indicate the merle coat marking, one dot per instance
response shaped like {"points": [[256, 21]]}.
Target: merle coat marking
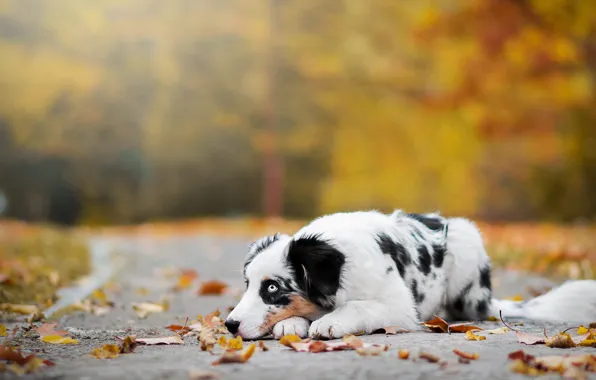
{"points": [[350, 272]]}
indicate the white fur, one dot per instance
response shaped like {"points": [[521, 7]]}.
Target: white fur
{"points": [[372, 297]]}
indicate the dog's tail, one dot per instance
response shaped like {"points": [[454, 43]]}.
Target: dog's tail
{"points": [[573, 301]]}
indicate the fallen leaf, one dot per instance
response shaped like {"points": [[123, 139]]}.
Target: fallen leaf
{"points": [[517, 297], [236, 356], [403, 354], [523, 337], [429, 357], [568, 366], [212, 288], [492, 318], [9, 354], [462, 328], [48, 329], [262, 346], [57, 339], [317, 346], [194, 374], [143, 309], [178, 329], [174, 339], [21, 364], [471, 336], [497, 331], [128, 344], [107, 351], [287, 340], [589, 341], [465, 355], [207, 339], [2, 330], [185, 279], [581, 330], [560, 340], [19, 309], [390, 330], [364, 349], [234, 344], [437, 324]]}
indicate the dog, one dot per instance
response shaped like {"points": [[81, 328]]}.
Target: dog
{"points": [[357, 272]]}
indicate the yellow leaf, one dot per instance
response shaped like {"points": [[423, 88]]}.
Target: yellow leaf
{"points": [[581, 330], [471, 336], [57, 339], [287, 340], [19, 309], [516, 297], [107, 351], [2, 330]]}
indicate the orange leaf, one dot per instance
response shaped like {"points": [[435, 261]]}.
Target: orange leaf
{"points": [[48, 329], [465, 355], [212, 288], [235, 356], [437, 324]]}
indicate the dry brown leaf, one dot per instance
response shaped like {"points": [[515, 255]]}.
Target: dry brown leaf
{"points": [[560, 340], [465, 355], [364, 349], [568, 366], [128, 344], [236, 356], [167, 340], [391, 330], [212, 288], [437, 324], [48, 329], [462, 328], [403, 354], [22, 364], [207, 339], [178, 329], [316, 346], [471, 336], [529, 339], [262, 346], [287, 340], [107, 351], [429, 357]]}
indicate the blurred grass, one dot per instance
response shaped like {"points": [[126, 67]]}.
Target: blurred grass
{"points": [[35, 261]]}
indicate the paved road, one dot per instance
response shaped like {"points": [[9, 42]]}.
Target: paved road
{"points": [[218, 258]]}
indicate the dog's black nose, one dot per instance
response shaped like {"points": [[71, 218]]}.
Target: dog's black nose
{"points": [[232, 325]]}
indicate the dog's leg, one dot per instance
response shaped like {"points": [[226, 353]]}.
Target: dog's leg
{"points": [[293, 325], [364, 316]]}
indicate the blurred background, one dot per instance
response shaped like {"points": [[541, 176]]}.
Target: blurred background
{"points": [[127, 111]]}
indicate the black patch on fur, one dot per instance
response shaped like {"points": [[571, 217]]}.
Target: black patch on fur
{"points": [[396, 251], [438, 255], [389, 270], [278, 298], [431, 222], [259, 246], [317, 267], [458, 304], [485, 277], [482, 308], [418, 297], [424, 260]]}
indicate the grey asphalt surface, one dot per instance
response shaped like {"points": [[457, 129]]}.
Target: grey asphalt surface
{"points": [[221, 259]]}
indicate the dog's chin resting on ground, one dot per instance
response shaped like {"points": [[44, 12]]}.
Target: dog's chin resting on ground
{"points": [[358, 272]]}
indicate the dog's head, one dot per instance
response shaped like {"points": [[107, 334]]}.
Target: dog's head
{"points": [[284, 278]]}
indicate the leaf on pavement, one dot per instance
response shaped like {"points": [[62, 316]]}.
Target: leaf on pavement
{"points": [[471, 336], [462, 328], [236, 356], [497, 331], [560, 340], [128, 344], [429, 357], [19, 309], [143, 309], [316, 346], [465, 355], [390, 330], [581, 330], [48, 329], [262, 346], [233, 344], [212, 288], [57, 339], [528, 339], [570, 367], [437, 324], [362, 348], [107, 351], [207, 339], [287, 340], [178, 329], [2, 330], [403, 354]]}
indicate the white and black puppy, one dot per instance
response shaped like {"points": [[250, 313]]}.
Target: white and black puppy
{"points": [[357, 272]]}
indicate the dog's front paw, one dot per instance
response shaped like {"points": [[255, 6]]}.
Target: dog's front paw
{"points": [[293, 325], [329, 327]]}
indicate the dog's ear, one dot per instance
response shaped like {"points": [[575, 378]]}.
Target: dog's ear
{"points": [[260, 245], [317, 266]]}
